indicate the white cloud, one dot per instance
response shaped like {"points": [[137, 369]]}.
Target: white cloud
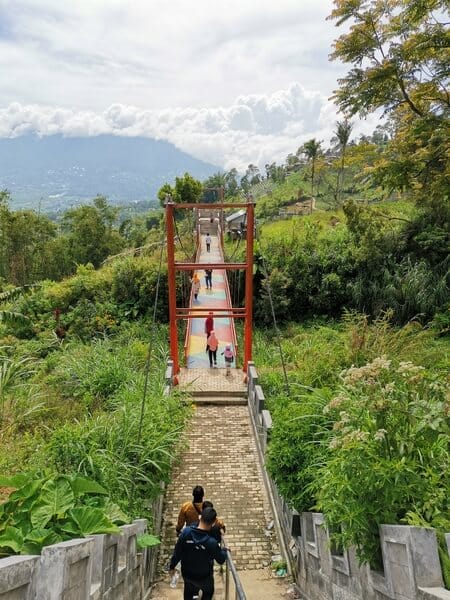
{"points": [[214, 78], [254, 128], [92, 53]]}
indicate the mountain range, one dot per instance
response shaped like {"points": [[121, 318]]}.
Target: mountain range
{"points": [[56, 172]]}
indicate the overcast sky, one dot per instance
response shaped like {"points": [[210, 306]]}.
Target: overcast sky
{"points": [[230, 82]]}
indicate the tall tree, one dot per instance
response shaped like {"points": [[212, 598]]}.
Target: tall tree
{"points": [[253, 175], [311, 149], [342, 133], [231, 183], [90, 234], [188, 189], [399, 52]]}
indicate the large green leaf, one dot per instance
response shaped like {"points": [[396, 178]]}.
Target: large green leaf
{"points": [[83, 485], [31, 548], [14, 481], [40, 515], [37, 539], [92, 520], [146, 540], [12, 538], [115, 513], [57, 494], [26, 491], [55, 499]]}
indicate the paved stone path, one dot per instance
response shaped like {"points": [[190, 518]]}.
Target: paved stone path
{"points": [[213, 382], [221, 456]]}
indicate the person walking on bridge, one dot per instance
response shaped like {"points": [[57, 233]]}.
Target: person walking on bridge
{"points": [[218, 527], [208, 279], [208, 242], [196, 285], [209, 324], [197, 551], [212, 343]]}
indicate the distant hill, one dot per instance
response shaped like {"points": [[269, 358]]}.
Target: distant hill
{"points": [[58, 172]]}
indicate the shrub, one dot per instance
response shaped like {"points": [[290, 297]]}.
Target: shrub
{"points": [[108, 448], [298, 444], [134, 287], [389, 453]]}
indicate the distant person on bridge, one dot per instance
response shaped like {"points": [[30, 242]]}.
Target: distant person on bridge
{"points": [[209, 324], [208, 279], [197, 550], [229, 357], [196, 285], [212, 343], [190, 511], [208, 242]]}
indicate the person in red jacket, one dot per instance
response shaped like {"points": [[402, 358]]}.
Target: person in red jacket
{"points": [[209, 324]]}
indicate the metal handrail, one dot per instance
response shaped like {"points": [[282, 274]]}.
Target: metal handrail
{"points": [[228, 296], [239, 590], [191, 294]]}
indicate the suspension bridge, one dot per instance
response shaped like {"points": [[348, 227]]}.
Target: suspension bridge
{"points": [[221, 453]]}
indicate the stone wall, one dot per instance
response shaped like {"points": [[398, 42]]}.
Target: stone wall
{"points": [[100, 567], [410, 556]]}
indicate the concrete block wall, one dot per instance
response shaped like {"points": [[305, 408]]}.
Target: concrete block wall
{"points": [[100, 567], [411, 571]]}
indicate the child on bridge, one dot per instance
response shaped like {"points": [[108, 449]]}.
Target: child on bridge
{"points": [[229, 357]]}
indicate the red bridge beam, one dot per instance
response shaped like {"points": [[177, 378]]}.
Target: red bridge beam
{"points": [[211, 206], [212, 309], [184, 266], [204, 315]]}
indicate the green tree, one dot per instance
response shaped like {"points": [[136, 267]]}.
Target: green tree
{"points": [[231, 183], [401, 60], [311, 149], [342, 133], [91, 236], [253, 175], [164, 191], [188, 189], [24, 243]]}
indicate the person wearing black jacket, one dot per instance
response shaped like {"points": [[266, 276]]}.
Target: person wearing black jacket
{"points": [[197, 551]]}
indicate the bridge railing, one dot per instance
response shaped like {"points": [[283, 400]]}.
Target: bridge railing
{"points": [[410, 555], [198, 248], [228, 296], [232, 583]]}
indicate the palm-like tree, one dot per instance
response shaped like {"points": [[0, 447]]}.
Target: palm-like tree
{"points": [[11, 317], [342, 133], [311, 149]]}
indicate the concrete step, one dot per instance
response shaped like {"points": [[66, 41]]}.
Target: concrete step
{"points": [[223, 400]]}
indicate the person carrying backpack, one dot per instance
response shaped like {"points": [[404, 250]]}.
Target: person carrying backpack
{"points": [[197, 551]]}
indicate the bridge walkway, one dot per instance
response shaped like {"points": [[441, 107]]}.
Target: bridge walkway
{"points": [[221, 455]]}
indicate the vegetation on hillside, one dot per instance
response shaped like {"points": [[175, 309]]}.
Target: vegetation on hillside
{"points": [[360, 291]]}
